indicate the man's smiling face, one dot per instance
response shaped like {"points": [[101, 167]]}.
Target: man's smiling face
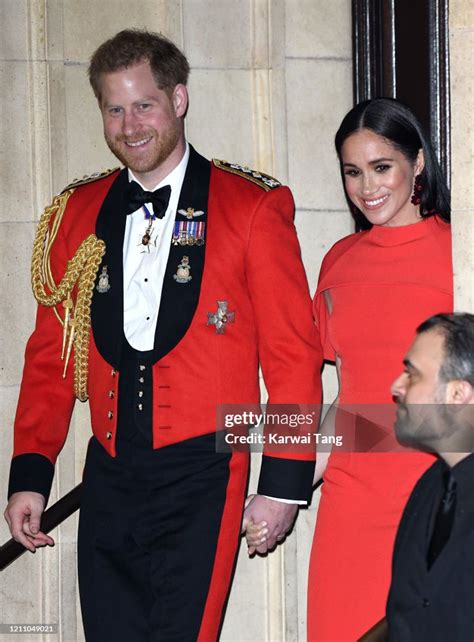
{"points": [[143, 125]]}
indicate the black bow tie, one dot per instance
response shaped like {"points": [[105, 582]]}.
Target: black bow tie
{"points": [[136, 197]]}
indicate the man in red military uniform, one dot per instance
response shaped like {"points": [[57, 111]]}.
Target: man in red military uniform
{"points": [[169, 282]]}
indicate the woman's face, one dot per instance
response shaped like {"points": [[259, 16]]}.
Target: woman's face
{"points": [[379, 179]]}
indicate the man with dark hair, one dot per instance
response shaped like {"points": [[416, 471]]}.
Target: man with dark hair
{"points": [[188, 273], [430, 597]]}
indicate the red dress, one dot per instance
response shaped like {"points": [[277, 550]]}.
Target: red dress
{"points": [[383, 283]]}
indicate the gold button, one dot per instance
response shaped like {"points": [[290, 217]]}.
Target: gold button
{"points": [[108, 436], [111, 394], [113, 372], [110, 414]]}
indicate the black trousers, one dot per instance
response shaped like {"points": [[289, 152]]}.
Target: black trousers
{"points": [[158, 539]]}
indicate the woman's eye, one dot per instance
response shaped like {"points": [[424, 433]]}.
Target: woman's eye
{"points": [[351, 172], [382, 168]]}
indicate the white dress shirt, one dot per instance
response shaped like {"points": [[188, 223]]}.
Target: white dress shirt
{"points": [[144, 266]]}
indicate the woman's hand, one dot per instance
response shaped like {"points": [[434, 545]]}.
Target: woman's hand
{"points": [[255, 535]]}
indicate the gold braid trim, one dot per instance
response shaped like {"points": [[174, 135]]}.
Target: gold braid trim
{"points": [[81, 270]]}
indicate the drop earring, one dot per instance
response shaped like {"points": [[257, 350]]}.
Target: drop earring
{"points": [[417, 190]]}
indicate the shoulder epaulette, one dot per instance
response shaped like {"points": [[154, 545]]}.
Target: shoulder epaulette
{"points": [[90, 178], [259, 178]]}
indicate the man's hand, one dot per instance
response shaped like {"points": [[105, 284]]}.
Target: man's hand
{"points": [[278, 518], [23, 515]]}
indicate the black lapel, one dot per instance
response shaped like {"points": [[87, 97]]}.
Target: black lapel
{"points": [[107, 306], [179, 300]]}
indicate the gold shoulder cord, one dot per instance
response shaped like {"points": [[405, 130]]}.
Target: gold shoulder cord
{"points": [[81, 271]]}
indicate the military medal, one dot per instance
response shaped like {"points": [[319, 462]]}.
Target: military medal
{"points": [[183, 273], [175, 237], [221, 317], [146, 238], [178, 233], [191, 233], [103, 284], [183, 235], [188, 233], [200, 233]]}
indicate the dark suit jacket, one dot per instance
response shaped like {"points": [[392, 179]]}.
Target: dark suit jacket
{"points": [[435, 605]]}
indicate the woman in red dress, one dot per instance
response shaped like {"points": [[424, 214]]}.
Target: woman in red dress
{"points": [[375, 287]]}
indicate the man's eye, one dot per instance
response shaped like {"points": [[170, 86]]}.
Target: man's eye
{"points": [[115, 110], [144, 106]]}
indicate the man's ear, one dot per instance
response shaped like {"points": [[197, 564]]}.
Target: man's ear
{"points": [[180, 100], [459, 391]]}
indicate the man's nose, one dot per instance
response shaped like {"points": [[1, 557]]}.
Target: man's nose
{"points": [[398, 387], [130, 122]]}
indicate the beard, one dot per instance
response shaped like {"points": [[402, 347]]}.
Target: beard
{"points": [[406, 426], [157, 151], [422, 426]]}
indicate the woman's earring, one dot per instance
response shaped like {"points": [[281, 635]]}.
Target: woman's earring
{"points": [[417, 190]]}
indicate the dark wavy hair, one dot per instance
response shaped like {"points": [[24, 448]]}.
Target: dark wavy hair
{"points": [[133, 46], [395, 122], [458, 332]]}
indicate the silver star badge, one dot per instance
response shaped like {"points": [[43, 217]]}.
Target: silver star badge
{"points": [[221, 317]]}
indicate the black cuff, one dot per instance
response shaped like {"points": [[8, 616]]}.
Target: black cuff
{"points": [[31, 472], [286, 478]]}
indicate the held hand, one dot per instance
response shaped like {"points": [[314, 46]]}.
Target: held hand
{"points": [[23, 515], [278, 517], [255, 535]]}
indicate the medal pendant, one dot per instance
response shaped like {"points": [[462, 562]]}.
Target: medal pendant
{"points": [[221, 317], [183, 273], [146, 238], [103, 284], [200, 233]]}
